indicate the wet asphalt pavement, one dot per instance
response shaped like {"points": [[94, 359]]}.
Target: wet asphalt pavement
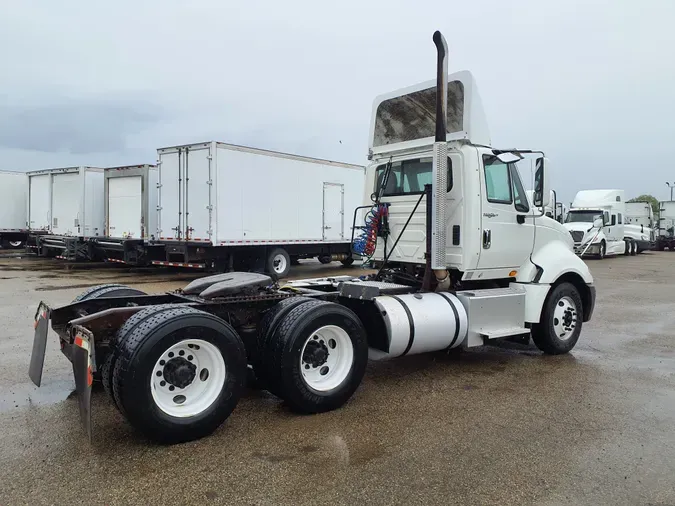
{"points": [[492, 425]]}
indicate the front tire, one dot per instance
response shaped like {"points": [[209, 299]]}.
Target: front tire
{"points": [[603, 250], [318, 354], [633, 249], [560, 325], [179, 374]]}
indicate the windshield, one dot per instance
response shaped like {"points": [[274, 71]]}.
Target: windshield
{"points": [[582, 216]]}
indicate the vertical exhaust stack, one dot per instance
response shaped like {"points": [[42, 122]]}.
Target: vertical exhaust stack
{"points": [[440, 167]]}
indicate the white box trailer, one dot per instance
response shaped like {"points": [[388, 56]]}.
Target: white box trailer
{"points": [[221, 204], [130, 195], [66, 210], [13, 192]]}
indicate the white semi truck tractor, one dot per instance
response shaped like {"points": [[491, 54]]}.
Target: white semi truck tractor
{"points": [[462, 258]]}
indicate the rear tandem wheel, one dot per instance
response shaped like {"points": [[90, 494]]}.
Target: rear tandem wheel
{"points": [[178, 372]]}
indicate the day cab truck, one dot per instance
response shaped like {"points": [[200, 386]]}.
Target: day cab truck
{"points": [[596, 222], [463, 261]]}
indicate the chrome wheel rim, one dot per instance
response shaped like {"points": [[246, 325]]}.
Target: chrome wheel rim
{"points": [[565, 318]]}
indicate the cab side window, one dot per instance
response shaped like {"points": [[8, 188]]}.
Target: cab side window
{"points": [[620, 222], [613, 219], [497, 180]]}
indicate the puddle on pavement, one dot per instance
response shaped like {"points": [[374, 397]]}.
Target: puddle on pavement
{"points": [[26, 394]]}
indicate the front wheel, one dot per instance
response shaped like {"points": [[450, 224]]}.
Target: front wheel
{"points": [[633, 249], [603, 250], [560, 326]]}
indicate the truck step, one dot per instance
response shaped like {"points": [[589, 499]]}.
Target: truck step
{"points": [[494, 313], [507, 332]]}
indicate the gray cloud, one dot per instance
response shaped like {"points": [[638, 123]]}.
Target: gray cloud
{"points": [[76, 125], [587, 81]]}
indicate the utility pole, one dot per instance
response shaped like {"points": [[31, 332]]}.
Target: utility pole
{"points": [[671, 186]]}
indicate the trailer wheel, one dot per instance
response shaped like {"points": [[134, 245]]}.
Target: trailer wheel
{"points": [[320, 354], [279, 262], [266, 330], [12, 244], [179, 373], [348, 261], [560, 325], [109, 290]]}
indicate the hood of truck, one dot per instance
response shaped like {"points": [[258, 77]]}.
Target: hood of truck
{"points": [[578, 225], [582, 232], [405, 119]]}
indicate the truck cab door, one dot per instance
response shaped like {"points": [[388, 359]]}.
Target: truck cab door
{"points": [[507, 225]]}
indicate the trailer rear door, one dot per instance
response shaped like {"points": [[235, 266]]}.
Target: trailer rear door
{"points": [[39, 199], [66, 200], [169, 193], [125, 201], [197, 190]]}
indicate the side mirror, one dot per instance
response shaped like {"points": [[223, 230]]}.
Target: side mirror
{"points": [[598, 223], [542, 183]]}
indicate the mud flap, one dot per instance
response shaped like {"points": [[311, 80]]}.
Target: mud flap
{"points": [[37, 357], [83, 369]]}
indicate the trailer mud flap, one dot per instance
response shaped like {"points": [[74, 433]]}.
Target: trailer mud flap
{"points": [[37, 357], [83, 369]]}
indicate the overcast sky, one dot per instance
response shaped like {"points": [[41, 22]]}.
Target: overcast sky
{"points": [[592, 83]]}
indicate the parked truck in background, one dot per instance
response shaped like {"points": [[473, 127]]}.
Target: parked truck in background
{"points": [[130, 196], [66, 211], [640, 224], [13, 220], [665, 234], [225, 207], [464, 261], [596, 223]]}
